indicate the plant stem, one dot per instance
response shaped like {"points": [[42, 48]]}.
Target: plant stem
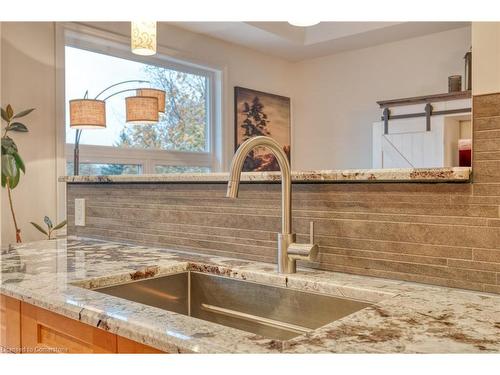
{"points": [[18, 231], [6, 129]]}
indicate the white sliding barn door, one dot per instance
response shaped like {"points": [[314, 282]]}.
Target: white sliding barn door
{"points": [[409, 145]]}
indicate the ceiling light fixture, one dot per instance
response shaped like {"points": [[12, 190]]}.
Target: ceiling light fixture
{"points": [[303, 23], [143, 38]]}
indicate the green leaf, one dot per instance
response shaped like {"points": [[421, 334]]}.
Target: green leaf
{"points": [[24, 113], [60, 225], [39, 228], [9, 166], [14, 181], [19, 162], [10, 111], [47, 221], [4, 115], [17, 127]]}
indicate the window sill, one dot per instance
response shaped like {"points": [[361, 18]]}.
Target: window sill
{"points": [[455, 174]]}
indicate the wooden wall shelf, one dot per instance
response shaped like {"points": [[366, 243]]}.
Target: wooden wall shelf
{"points": [[425, 99]]}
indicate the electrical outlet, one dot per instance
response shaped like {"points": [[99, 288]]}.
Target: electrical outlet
{"points": [[80, 212]]}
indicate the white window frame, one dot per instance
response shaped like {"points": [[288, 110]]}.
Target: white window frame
{"points": [[113, 45]]}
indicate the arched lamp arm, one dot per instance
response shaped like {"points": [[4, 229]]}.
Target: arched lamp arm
{"points": [[119, 92], [119, 83]]}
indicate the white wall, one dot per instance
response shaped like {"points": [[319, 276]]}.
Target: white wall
{"points": [[486, 57], [335, 96], [28, 80]]}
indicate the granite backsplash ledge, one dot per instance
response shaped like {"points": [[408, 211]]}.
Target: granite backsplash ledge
{"points": [[438, 233], [455, 174]]}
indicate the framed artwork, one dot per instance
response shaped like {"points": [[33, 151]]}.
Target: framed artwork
{"points": [[260, 113]]}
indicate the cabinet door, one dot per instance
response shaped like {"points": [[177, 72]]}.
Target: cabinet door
{"points": [[10, 324], [127, 346], [47, 332]]}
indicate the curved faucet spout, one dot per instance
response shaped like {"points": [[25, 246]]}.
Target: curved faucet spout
{"points": [[286, 178], [288, 250]]}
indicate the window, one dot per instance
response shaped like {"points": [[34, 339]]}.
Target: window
{"points": [[182, 140], [92, 169], [180, 169]]}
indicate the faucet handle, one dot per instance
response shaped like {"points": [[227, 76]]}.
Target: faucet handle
{"points": [[304, 251]]}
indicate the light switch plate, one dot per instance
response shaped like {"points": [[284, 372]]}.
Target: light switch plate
{"points": [[80, 212]]}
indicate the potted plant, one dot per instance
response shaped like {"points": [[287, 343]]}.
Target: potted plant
{"points": [[12, 163]]}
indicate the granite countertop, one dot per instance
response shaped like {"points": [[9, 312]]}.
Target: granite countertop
{"points": [[455, 174], [404, 318]]}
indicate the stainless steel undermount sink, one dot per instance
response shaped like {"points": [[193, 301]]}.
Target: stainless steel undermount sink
{"points": [[270, 311]]}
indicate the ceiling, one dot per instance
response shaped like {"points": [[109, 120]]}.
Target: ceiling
{"points": [[299, 43]]}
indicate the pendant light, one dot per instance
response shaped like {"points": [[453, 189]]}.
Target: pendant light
{"points": [[143, 38]]}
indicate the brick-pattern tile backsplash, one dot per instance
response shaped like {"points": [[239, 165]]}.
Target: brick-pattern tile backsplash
{"points": [[444, 233]]}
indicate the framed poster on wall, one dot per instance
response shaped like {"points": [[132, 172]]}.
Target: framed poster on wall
{"points": [[260, 113]]}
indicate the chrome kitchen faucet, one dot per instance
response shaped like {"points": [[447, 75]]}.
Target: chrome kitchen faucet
{"points": [[288, 250]]}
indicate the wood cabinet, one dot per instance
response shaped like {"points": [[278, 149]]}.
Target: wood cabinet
{"points": [[10, 324], [127, 346], [46, 332], [37, 330]]}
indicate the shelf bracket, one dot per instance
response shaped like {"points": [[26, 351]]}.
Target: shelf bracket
{"points": [[428, 114], [386, 115]]}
